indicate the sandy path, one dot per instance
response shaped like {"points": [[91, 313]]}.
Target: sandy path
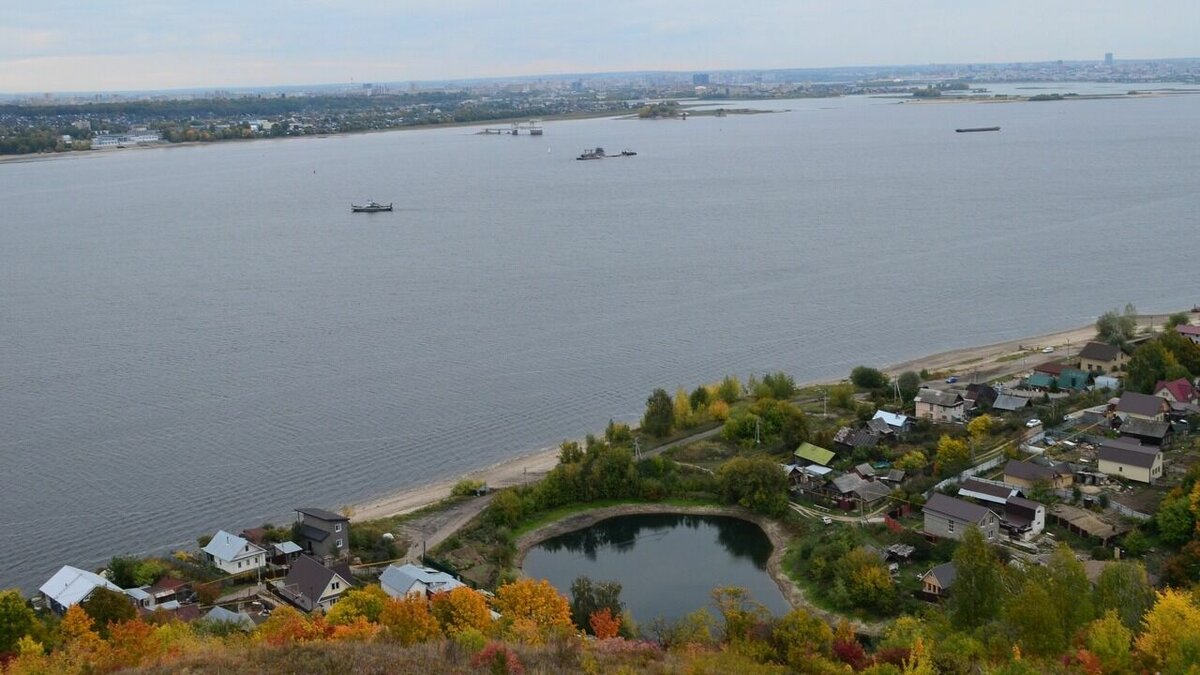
{"points": [[982, 360]]}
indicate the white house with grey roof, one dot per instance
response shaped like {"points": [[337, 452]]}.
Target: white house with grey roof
{"points": [[1131, 461], [233, 554], [939, 406], [948, 517], [399, 581], [70, 586]]}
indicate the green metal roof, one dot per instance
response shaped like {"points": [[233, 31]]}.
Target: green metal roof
{"points": [[814, 454]]}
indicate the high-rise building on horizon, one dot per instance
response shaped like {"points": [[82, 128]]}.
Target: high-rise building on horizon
{"points": [[699, 79], [1108, 60]]}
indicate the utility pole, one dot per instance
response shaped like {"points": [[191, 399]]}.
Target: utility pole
{"points": [[637, 449], [825, 402], [757, 429]]}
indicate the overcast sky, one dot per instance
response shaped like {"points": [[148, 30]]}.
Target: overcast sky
{"points": [[104, 45]]}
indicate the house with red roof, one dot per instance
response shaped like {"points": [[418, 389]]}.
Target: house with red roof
{"points": [[1190, 332], [1176, 391]]}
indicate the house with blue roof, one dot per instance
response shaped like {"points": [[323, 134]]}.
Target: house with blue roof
{"points": [[400, 581]]}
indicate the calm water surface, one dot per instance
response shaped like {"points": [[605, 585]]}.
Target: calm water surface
{"points": [[204, 337], [667, 565]]}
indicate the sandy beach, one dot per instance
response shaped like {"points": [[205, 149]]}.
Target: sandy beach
{"points": [[985, 362]]}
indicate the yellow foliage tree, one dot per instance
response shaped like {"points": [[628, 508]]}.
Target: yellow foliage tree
{"points": [[365, 603], [683, 409], [534, 608], [1169, 639], [408, 621], [81, 644], [1109, 640], [460, 609], [979, 428], [951, 452], [287, 625], [359, 630], [718, 410], [30, 660]]}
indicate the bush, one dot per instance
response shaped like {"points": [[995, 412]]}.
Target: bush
{"points": [[467, 487], [868, 378]]}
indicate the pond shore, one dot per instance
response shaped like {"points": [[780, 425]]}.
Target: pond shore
{"points": [[774, 530]]}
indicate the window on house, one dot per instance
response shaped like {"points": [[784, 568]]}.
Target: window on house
{"points": [[337, 527], [336, 585], [338, 543], [239, 566], [951, 526]]}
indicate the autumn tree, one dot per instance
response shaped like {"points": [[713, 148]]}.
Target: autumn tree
{"points": [[913, 460], [107, 607], [287, 626], [660, 414], [952, 454], [841, 396], [82, 646], [979, 428], [408, 620], [730, 390], [460, 609], [682, 411], [799, 637], [16, 620], [133, 643], [533, 608], [604, 625], [366, 603], [718, 410], [1109, 640], [1169, 639], [977, 588]]}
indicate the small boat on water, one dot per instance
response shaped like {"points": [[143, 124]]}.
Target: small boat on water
{"points": [[969, 130], [370, 207], [598, 153], [628, 153]]}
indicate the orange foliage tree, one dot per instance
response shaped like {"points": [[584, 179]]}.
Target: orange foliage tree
{"points": [[460, 609], [133, 643], [604, 624], [287, 625], [359, 630], [408, 620], [533, 608]]}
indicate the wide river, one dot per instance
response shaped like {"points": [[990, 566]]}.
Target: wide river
{"points": [[205, 337]]}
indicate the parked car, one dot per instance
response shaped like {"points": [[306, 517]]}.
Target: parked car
{"points": [[1035, 422], [952, 379], [827, 520], [1048, 350]]}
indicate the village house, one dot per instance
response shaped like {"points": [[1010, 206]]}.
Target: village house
{"points": [[948, 517], [1011, 403], [852, 490], [936, 583], [1100, 358], [70, 586], [979, 396], [1023, 518], [898, 423], [849, 438], [1025, 474], [233, 554], [1131, 461], [323, 533], [987, 491], [1190, 332], [399, 581], [1142, 406], [240, 620], [939, 406], [1145, 432], [1176, 391], [311, 586], [808, 453]]}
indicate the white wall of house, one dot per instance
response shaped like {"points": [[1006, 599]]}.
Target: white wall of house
{"points": [[240, 565], [1130, 472]]}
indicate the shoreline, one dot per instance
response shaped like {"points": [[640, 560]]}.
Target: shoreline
{"points": [[50, 156], [987, 361]]}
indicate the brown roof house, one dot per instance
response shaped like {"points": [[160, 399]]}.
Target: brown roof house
{"points": [[1190, 332], [311, 586], [1025, 474], [1101, 358], [1023, 518], [1130, 461], [949, 517], [323, 533], [1142, 406], [939, 406]]}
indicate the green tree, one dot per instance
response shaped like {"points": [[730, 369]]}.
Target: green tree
{"points": [[1175, 520], [1117, 328], [107, 607], [16, 620], [780, 385], [122, 569], [1070, 590], [730, 390], [506, 508], [1109, 640], [589, 597], [699, 398], [1125, 588], [660, 414], [909, 383], [756, 484], [1030, 615], [977, 588], [1177, 319], [865, 377], [1150, 363], [842, 396]]}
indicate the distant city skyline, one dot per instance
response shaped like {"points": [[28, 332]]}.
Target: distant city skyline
{"points": [[57, 45]]}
